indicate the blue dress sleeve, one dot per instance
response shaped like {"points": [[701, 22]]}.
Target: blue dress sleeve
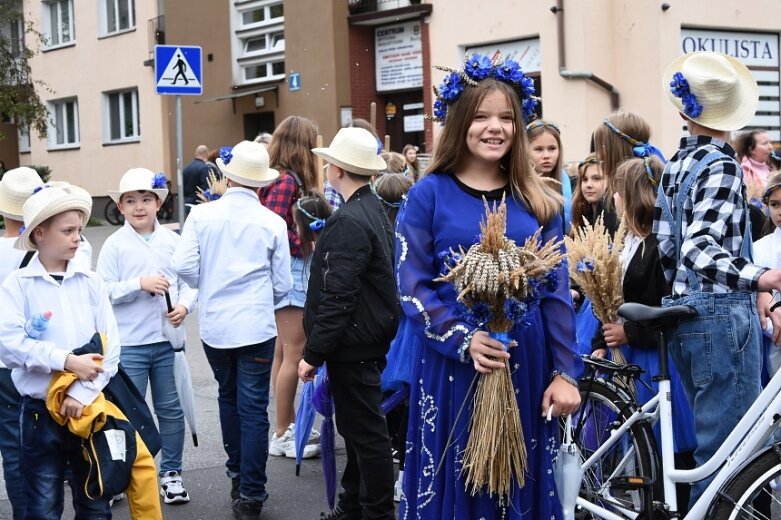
{"points": [[558, 316], [416, 267]]}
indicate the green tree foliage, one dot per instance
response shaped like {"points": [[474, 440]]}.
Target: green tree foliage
{"points": [[19, 101]]}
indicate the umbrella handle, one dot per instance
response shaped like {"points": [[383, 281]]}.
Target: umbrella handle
{"points": [[568, 430]]}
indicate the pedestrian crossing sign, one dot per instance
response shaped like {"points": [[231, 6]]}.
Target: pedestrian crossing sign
{"points": [[178, 70]]}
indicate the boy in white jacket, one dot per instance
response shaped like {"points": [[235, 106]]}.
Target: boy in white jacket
{"points": [[78, 299], [136, 264]]}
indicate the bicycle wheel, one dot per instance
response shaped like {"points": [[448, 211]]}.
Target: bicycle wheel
{"points": [[603, 408], [749, 494], [112, 214]]}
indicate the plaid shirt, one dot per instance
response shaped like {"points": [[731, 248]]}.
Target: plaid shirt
{"points": [[280, 197], [332, 196], [713, 222]]}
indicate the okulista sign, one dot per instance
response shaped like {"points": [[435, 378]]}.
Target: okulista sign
{"points": [[757, 49]]}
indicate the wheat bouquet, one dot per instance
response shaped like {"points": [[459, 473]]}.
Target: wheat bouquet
{"points": [[500, 283], [595, 265], [217, 188]]}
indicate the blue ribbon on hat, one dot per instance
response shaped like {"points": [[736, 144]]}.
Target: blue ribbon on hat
{"points": [[680, 89]]}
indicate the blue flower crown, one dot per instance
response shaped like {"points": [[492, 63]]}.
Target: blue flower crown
{"points": [[477, 68]]}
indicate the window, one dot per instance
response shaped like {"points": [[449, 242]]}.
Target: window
{"points": [[258, 41], [57, 21], [116, 16], [24, 138], [16, 33], [64, 123], [121, 122]]}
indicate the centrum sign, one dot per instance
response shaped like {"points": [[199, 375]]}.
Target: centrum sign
{"points": [[399, 56]]}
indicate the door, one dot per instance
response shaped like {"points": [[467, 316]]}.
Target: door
{"points": [[256, 123]]}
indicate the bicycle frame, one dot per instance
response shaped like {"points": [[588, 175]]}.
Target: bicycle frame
{"points": [[749, 435]]}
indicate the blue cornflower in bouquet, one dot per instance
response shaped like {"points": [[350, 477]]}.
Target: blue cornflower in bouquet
{"points": [[478, 67], [478, 315], [158, 181], [585, 265], [515, 310], [452, 87], [226, 154]]}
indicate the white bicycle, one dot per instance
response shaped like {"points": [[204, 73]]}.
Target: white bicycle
{"points": [[623, 477]]}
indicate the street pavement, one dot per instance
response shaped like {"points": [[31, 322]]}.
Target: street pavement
{"points": [[290, 497]]}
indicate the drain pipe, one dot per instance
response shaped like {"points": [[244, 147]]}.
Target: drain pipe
{"points": [[558, 10]]}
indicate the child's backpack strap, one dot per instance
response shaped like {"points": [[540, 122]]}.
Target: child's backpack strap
{"points": [[674, 214], [26, 260]]}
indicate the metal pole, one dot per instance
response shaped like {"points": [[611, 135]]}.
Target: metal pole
{"points": [[179, 176]]}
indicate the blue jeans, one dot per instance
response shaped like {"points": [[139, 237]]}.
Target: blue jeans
{"points": [[243, 377], [155, 363], [719, 357], [9, 442], [46, 448]]}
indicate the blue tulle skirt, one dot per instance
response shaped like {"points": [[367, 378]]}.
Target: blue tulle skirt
{"points": [[402, 357], [586, 324], [683, 419]]}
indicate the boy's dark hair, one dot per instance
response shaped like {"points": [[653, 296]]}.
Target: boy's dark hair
{"points": [[315, 204], [143, 192], [355, 177]]}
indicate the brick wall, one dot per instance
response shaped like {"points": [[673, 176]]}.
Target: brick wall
{"points": [[362, 85]]}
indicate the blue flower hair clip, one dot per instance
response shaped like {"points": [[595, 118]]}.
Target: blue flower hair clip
{"points": [[315, 223], [639, 149], [479, 67], [680, 89], [225, 154], [158, 181]]}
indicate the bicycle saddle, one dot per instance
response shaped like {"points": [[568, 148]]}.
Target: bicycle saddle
{"points": [[651, 316]]}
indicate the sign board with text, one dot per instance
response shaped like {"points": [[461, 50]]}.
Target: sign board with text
{"points": [[398, 56]]}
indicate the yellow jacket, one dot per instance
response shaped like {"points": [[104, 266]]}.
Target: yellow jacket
{"points": [[143, 499]]}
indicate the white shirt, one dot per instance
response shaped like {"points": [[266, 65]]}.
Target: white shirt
{"points": [[80, 308], [124, 258], [767, 250], [236, 253]]}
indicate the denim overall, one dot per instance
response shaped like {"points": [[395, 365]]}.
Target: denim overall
{"points": [[718, 352]]}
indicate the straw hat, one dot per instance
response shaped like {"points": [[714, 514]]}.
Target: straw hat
{"points": [[16, 187], [46, 203], [139, 179], [723, 86], [354, 150], [248, 165]]}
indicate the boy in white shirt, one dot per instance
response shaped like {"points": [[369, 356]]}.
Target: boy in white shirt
{"points": [[136, 264], [236, 253], [78, 299]]}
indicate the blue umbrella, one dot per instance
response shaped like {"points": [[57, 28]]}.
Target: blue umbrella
{"points": [[323, 402], [305, 420], [393, 400]]}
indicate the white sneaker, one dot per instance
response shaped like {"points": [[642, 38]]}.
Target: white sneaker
{"points": [[286, 445], [171, 488], [280, 446]]}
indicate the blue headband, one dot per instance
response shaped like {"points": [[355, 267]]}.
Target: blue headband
{"points": [[379, 197], [316, 223], [639, 149]]}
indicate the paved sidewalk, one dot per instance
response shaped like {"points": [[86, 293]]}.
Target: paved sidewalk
{"points": [[290, 497]]}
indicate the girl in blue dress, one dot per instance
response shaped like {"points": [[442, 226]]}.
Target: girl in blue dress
{"points": [[482, 151]]}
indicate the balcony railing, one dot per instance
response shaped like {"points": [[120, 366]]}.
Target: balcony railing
{"points": [[156, 30], [368, 6]]}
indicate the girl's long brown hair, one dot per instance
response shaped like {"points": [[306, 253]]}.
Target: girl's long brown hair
{"points": [[611, 149], [638, 193], [451, 153], [291, 149]]}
